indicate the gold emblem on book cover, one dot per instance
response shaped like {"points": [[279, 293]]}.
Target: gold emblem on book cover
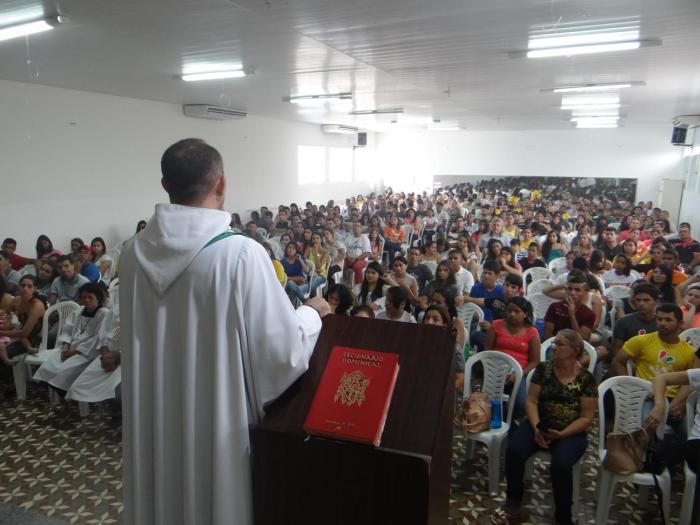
{"points": [[352, 388]]}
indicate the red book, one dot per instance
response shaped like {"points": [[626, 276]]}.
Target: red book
{"points": [[353, 396]]}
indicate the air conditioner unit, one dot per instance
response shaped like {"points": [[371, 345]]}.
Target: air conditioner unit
{"points": [[338, 128], [686, 121], [212, 112]]}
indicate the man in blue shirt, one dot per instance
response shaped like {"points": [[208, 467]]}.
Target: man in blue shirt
{"points": [[85, 266], [487, 288]]}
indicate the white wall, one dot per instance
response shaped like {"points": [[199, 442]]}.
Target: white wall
{"points": [[690, 211], [83, 164], [410, 160]]}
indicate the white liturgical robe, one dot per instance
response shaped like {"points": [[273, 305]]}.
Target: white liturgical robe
{"points": [[209, 337]]}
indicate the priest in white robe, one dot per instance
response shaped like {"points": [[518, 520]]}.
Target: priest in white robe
{"points": [[209, 337]]}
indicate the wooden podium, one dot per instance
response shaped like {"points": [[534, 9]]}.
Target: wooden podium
{"points": [[304, 480]]}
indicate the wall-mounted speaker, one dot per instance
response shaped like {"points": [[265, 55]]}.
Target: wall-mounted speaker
{"points": [[362, 139], [678, 138]]}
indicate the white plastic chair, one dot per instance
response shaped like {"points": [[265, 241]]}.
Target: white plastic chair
{"points": [[432, 266], [545, 455], [497, 367], [616, 304], [27, 269], [587, 347], [540, 303], [535, 274], [630, 394], [692, 337], [466, 313], [408, 237], [539, 286], [557, 266], [688, 474], [23, 370], [617, 293], [309, 276], [113, 284]]}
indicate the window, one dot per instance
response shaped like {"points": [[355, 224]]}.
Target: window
{"points": [[364, 167], [339, 165], [311, 164]]}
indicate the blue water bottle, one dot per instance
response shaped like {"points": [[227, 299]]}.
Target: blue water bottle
{"points": [[496, 413]]}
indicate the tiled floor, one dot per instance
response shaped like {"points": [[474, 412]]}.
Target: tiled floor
{"points": [[69, 468]]}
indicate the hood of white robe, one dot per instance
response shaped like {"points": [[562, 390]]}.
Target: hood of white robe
{"points": [[173, 238]]}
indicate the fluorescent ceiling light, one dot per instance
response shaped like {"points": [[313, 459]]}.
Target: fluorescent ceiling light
{"points": [[590, 88], [593, 120], [579, 39], [583, 37], [595, 113], [318, 98], [600, 125], [213, 75], [587, 100], [590, 106], [377, 111], [29, 28], [582, 50]]}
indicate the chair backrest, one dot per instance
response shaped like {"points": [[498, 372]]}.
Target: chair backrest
{"points": [[497, 367], [312, 268], [629, 394], [64, 310], [27, 269], [601, 322], [601, 283], [557, 266], [616, 304], [539, 286], [617, 292], [535, 274], [432, 265], [408, 234], [540, 303], [692, 337], [466, 313], [113, 284], [587, 347]]}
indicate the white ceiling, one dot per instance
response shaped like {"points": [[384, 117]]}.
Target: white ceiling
{"points": [[442, 59]]}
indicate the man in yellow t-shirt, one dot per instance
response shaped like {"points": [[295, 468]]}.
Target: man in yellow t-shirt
{"points": [[660, 352]]}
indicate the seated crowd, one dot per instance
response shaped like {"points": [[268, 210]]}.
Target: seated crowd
{"points": [[503, 267]]}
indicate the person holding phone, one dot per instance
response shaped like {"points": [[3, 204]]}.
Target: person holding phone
{"points": [[560, 406]]}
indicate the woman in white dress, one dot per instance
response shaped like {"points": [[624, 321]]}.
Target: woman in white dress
{"points": [[78, 341]]}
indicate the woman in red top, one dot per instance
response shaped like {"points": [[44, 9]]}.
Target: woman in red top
{"points": [[393, 237], [516, 337]]}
